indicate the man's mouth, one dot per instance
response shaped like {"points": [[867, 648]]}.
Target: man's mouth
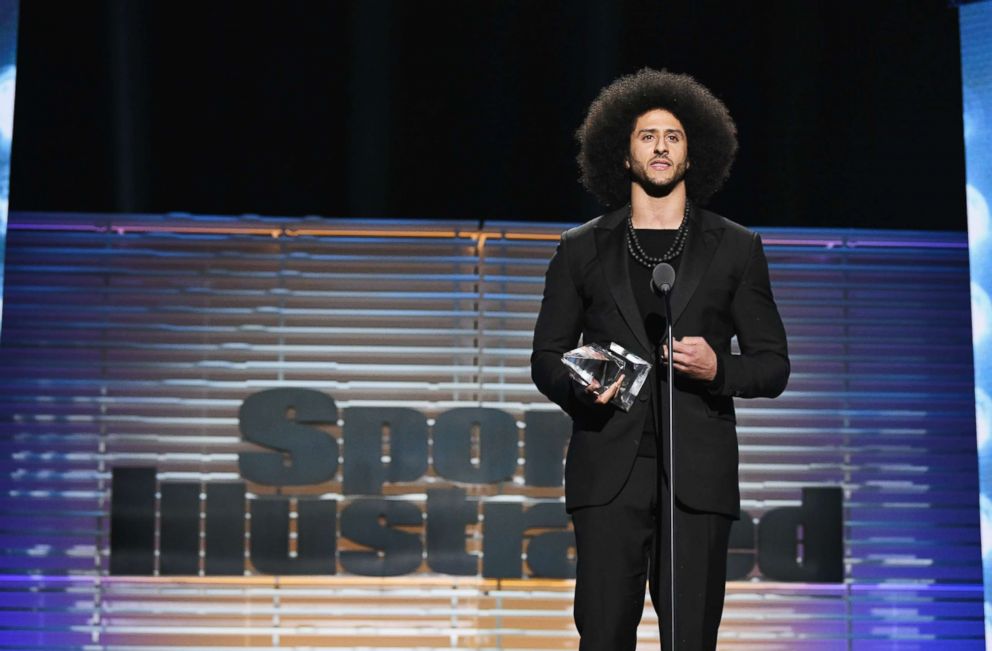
{"points": [[660, 164]]}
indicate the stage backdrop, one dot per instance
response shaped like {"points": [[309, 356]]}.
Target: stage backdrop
{"points": [[321, 433]]}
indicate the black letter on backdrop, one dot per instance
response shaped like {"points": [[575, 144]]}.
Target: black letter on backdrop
{"points": [[179, 537], [545, 440], [313, 453], [502, 542], [547, 555], [364, 472], [132, 521], [369, 522], [821, 519], [315, 536], [225, 530], [448, 513], [497, 445]]}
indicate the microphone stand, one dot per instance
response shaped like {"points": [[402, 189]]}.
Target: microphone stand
{"points": [[667, 415], [662, 280]]}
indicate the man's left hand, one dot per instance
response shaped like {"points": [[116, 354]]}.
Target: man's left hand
{"points": [[693, 357]]}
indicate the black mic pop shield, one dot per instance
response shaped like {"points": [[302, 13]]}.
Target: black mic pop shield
{"points": [[662, 279]]}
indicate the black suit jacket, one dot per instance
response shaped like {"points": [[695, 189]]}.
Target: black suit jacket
{"points": [[722, 290]]}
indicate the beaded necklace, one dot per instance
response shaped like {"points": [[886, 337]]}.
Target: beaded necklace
{"points": [[641, 256]]}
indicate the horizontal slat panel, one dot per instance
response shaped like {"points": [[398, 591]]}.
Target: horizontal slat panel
{"points": [[133, 341]]}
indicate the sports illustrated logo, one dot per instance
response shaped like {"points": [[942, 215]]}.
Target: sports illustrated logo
{"points": [[218, 528]]}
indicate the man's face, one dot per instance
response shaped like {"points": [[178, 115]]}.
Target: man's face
{"points": [[658, 156]]}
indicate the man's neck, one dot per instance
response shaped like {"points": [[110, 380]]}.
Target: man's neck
{"points": [[657, 212]]}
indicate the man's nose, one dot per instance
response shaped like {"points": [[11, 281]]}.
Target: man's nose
{"points": [[660, 146]]}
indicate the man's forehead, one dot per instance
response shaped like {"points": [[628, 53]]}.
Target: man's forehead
{"points": [[658, 120]]}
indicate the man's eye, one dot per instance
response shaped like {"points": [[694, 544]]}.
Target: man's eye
{"points": [[647, 136], [673, 138]]}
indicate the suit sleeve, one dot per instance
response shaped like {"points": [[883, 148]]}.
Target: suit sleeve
{"points": [[762, 369], [559, 324]]}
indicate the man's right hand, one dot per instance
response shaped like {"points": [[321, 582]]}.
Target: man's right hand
{"points": [[607, 395]]}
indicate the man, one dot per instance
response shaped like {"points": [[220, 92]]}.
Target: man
{"points": [[655, 146]]}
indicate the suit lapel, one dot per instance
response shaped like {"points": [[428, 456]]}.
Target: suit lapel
{"points": [[611, 247], [704, 236]]}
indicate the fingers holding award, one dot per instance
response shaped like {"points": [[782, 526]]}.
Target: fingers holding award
{"points": [[614, 374]]}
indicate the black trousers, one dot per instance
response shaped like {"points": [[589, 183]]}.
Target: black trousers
{"points": [[617, 552]]}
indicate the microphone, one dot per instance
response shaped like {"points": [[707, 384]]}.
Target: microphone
{"points": [[662, 279]]}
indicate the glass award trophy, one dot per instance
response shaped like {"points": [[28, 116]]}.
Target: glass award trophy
{"points": [[604, 365]]}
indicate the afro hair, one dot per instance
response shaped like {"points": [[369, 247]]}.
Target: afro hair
{"points": [[604, 137]]}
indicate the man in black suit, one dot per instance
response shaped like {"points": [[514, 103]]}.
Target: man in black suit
{"points": [[655, 146]]}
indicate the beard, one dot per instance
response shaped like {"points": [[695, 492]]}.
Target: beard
{"points": [[639, 175]]}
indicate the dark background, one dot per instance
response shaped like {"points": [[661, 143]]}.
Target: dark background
{"points": [[849, 112]]}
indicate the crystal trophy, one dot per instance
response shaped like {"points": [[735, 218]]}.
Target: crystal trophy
{"points": [[604, 365]]}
